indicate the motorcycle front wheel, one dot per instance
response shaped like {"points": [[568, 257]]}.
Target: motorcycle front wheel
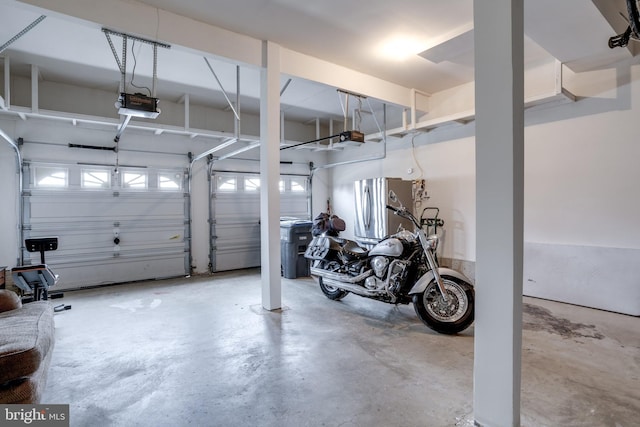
{"points": [[332, 292], [447, 317]]}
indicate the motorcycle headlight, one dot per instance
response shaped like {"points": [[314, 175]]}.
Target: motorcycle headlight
{"points": [[433, 241]]}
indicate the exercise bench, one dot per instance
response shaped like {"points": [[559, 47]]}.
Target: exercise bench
{"points": [[37, 279]]}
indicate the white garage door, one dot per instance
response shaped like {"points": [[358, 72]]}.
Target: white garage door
{"points": [[112, 227], [235, 215]]}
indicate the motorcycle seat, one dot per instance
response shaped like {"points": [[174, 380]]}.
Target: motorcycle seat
{"points": [[354, 251]]}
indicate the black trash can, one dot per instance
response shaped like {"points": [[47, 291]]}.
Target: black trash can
{"points": [[295, 236]]}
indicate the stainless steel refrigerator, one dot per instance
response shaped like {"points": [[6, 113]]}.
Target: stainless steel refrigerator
{"points": [[373, 220]]}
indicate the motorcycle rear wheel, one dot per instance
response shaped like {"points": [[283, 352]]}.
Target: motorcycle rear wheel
{"points": [[449, 317], [332, 292]]}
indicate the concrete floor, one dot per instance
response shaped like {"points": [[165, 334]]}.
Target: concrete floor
{"points": [[202, 352]]}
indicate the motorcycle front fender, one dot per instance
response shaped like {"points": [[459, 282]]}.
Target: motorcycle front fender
{"points": [[422, 282]]}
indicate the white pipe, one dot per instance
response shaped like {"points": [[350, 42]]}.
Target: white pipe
{"points": [[122, 127], [414, 108], [7, 83], [330, 133], [222, 88], [374, 116], [34, 88], [239, 150], [187, 112], [346, 111], [237, 121], [13, 145], [214, 149]]}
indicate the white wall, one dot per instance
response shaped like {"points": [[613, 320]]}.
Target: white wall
{"points": [[581, 177], [582, 165]]}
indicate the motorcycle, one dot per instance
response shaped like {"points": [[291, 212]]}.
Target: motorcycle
{"points": [[400, 269]]}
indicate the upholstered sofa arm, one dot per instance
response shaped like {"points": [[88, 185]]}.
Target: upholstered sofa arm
{"points": [[9, 300]]}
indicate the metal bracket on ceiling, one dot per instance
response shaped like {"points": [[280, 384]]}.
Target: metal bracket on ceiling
{"points": [[286, 85], [22, 33], [358, 111], [345, 106], [122, 66]]}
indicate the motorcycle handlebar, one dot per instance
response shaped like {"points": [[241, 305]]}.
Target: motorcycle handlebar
{"points": [[403, 212]]}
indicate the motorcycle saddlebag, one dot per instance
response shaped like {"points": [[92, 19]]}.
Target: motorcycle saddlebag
{"points": [[330, 225], [318, 248]]}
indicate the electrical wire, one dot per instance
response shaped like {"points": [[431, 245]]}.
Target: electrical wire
{"points": [[413, 154], [133, 72]]}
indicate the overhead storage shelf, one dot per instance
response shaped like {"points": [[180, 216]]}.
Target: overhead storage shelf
{"points": [[563, 96], [557, 97]]}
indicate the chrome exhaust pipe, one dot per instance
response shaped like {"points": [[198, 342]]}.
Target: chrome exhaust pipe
{"points": [[343, 278], [359, 290]]}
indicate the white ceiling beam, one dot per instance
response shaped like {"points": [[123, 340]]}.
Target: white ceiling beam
{"points": [[305, 66], [157, 24], [451, 45]]}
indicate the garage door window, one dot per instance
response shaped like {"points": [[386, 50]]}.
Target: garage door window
{"points": [[134, 180], [169, 181], [298, 185], [227, 183], [95, 178], [51, 177], [251, 184], [293, 184]]}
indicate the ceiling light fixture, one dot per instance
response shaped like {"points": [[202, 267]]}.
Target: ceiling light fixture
{"points": [[400, 48]]}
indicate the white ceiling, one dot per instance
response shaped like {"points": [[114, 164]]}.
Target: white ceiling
{"points": [[345, 32]]}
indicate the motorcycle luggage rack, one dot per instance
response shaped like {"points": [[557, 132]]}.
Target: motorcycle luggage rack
{"points": [[431, 224]]}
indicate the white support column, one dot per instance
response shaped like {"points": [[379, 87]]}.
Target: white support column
{"points": [[270, 176], [35, 75], [499, 110]]}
